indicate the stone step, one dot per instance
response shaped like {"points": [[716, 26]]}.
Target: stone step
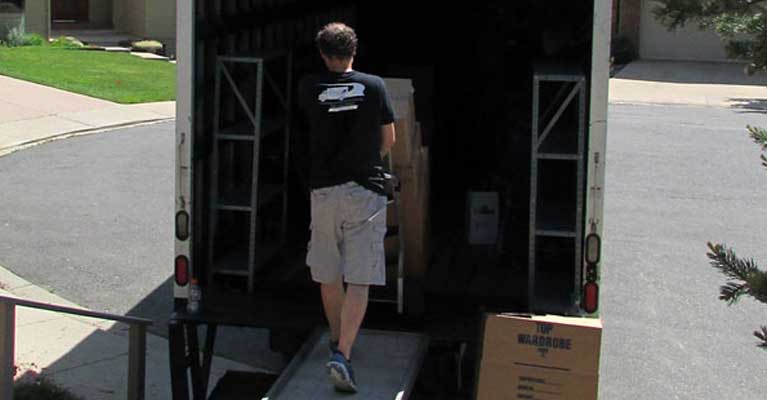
{"points": [[98, 37], [149, 56]]}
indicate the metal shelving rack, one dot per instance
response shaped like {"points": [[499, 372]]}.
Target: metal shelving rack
{"points": [[252, 132], [555, 144]]}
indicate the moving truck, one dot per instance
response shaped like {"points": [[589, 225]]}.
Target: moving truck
{"points": [[508, 158]]}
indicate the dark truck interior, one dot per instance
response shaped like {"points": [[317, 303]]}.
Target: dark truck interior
{"points": [[472, 67]]}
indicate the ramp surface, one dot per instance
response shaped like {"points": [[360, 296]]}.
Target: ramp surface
{"points": [[385, 363]]}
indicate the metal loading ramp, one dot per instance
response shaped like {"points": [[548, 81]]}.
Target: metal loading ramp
{"points": [[386, 365]]}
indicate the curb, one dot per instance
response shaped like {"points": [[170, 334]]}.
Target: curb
{"points": [[651, 103], [20, 287], [80, 132], [668, 104]]}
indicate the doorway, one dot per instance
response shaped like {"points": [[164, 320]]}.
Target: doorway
{"points": [[69, 11]]}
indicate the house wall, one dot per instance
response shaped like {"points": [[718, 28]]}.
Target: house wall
{"points": [[37, 16], [100, 13], [687, 43], [161, 19], [154, 19], [130, 16]]}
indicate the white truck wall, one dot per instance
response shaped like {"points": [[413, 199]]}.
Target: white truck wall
{"points": [[600, 74], [184, 136]]}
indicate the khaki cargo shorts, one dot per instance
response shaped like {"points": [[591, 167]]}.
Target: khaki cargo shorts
{"points": [[347, 240]]}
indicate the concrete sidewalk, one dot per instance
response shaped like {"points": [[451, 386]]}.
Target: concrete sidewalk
{"points": [[32, 113], [691, 83], [85, 355]]}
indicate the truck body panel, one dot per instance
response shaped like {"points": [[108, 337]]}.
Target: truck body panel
{"points": [[184, 131]]}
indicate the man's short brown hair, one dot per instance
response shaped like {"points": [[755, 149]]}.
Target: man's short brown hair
{"points": [[337, 40]]}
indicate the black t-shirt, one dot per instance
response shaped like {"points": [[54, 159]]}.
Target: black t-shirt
{"points": [[344, 112]]}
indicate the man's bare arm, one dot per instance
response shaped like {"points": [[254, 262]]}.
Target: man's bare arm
{"points": [[388, 137]]}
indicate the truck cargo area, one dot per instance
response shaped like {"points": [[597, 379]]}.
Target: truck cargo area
{"points": [[471, 66], [488, 77]]}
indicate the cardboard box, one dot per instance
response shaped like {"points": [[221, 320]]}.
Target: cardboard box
{"points": [[426, 196], [539, 358], [415, 213], [530, 384], [415, 209], [423, 77], [405, 151], [408, 143], [483, 217], [402, 95]]}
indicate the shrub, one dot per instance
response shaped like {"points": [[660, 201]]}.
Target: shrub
{"points": [[67, 42], [32, 39], [11, 24], [149, 46], [623, 50], [8, 7], [14, 38], [41, 389]]}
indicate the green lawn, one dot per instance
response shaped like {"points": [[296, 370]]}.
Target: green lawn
{"points": [[119, 77]]}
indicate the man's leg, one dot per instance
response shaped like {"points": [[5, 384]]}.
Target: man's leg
{"points": [[352, 313], [332, 301]]}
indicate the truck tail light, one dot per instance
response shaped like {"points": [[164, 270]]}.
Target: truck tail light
{"points": [[182, 225], [593, 248], [182, 270], [591, 297]]}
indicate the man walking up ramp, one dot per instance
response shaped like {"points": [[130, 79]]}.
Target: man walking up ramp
{"points": [[350, 123]]}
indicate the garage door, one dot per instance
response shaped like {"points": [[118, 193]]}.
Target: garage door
{"points": [[688, 43]]}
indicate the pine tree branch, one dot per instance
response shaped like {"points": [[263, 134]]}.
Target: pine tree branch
{"points": [[677, 13], [746, 279], [759, 135], [725, 260], [745, 276], [762, 335], [731, 292]]}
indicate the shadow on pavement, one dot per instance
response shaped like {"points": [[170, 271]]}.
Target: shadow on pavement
{"points": [[247, 346], [750, 106], [691, 73], [94, 363]]}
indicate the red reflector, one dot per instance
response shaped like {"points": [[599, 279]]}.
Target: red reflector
{"points": [[182, 270], [591, 298]]}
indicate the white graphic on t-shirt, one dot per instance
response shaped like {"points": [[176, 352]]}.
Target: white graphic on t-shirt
{"points": [[344, 93]]}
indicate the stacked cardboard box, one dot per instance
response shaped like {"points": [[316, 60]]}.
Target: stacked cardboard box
{"points": [[539, 358], [411, 166], [422, 76], [408, 143]]}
